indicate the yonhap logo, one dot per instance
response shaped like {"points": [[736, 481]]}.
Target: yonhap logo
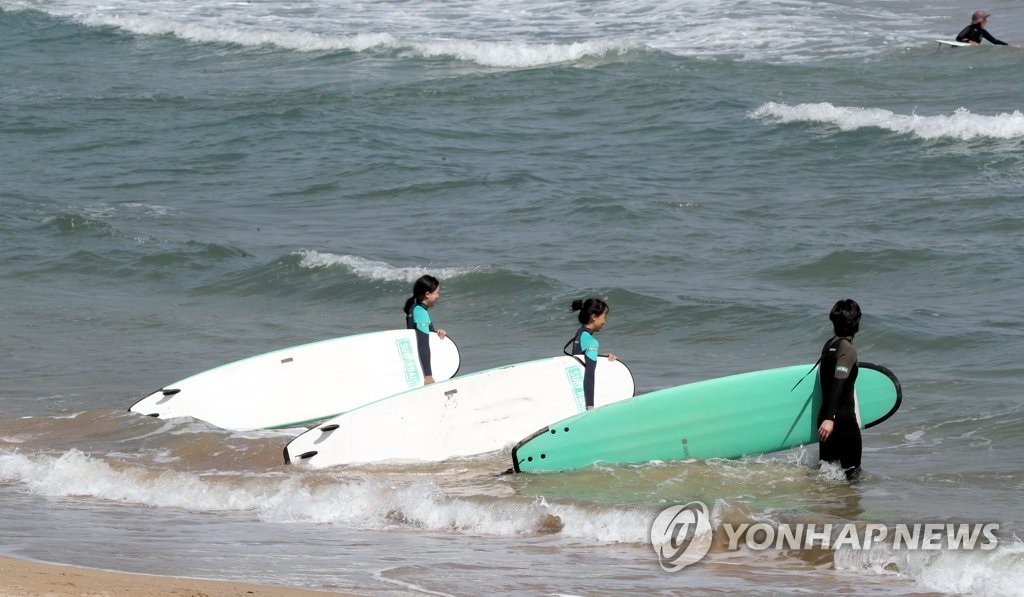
{"points": [[681, 535]]}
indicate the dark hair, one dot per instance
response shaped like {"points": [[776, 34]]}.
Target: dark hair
{"points": [[591, 307], [426, 283], [845, 317]]}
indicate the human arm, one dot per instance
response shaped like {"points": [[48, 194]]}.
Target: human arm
{"points": [[423, 327], [589, 345], [845, 362], [589, 375], [988, 36]]}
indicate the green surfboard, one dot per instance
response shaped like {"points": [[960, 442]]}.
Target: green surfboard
{"points": [[728, 417]]}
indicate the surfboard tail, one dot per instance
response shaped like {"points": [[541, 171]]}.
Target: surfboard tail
{"points": [[896, 384], [523, 442]]}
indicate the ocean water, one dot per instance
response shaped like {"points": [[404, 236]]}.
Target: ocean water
{"points": [[185, 183]]}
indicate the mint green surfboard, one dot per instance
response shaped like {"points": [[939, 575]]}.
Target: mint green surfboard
{"points": [[728, 417]]}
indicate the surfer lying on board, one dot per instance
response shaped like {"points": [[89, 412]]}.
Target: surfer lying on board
{"points": [[838, 425], [593, 315], [425, 292], [974, 32]]}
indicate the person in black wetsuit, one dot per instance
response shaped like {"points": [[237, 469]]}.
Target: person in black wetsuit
{"points": [[425, 292], [975, 32], [592, 317], [838, 419]]}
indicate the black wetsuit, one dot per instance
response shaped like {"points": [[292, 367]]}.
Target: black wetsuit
{"points": [[973, 34], [838, 374], [584, 343]]}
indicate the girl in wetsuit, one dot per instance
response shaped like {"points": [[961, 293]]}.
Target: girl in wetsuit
{"points": [[593, 315], [974, 32], [425, 292], [838, 419]]}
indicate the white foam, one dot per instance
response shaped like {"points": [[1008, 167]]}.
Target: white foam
{"points": [[961, 124], [369, 503], [376, 503], [303, 41], [378, 270], [523, 55], [299, 34], [998, 572], [961, 572], [509, 54], [519, 33], [606, 525], [76, 474]]}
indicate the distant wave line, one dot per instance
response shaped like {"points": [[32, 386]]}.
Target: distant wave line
{"points": [[378, 270], [500, 54], [961, 124], [514, 35]]}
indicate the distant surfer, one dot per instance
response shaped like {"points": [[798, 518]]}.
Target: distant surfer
{"points": [[975, 32], [425, 292], [593, 315], [838, 424]]}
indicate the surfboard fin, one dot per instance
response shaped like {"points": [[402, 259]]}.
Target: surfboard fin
{"points": [[303, 456], [168, 393]]}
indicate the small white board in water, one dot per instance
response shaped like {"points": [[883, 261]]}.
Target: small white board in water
{"points": [[468, 415], [311, 382], [949, 42]]}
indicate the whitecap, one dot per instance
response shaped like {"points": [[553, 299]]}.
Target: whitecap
{"points": [[960, 125], [377, 270]]}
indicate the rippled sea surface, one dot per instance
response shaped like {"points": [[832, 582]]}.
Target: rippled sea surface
{"points": [[188, 183]]}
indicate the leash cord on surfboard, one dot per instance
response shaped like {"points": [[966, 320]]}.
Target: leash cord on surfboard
{"points": [[816, 363], [565, 349]]}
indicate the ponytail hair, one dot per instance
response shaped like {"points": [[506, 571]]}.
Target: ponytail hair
{"points": [[425, 284], [592, 307], [845, 317]]}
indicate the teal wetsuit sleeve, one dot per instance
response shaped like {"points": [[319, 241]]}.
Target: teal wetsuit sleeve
{"points": [[423, 326], [589, 345]]}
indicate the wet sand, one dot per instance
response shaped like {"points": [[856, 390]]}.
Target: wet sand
{"points": [[21, 578]]}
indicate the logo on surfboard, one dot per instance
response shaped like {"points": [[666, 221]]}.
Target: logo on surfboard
{"points": [[576, 383], [409, 362]]}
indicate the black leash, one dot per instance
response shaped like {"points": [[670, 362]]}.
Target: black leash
{"points": [[813, 367]]}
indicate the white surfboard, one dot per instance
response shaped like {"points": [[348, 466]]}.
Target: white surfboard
{"points": [[302, 384], [949, 42], [472, 414]]}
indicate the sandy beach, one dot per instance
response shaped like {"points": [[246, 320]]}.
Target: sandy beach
{"points": [[20, 578]]}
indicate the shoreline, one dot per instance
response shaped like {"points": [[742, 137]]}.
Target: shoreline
{"points": [[33, 578]]}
